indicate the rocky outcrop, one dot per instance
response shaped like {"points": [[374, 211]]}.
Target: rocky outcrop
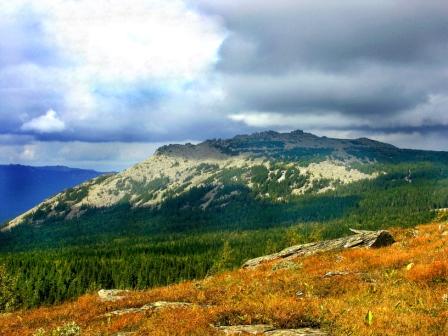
{"points": [[265, 329], [361, 238], [111, 294], [151, 306]]}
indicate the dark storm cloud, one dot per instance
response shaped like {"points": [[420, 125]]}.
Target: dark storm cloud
{"points": [[352, 93], [363, 60], [422, 130], [283, 35]]}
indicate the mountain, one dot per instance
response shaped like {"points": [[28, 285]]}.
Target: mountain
{"points": [[22, 187], [272, 165], [190, 211]]}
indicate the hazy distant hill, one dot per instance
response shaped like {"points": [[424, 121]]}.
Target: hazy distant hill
{"points": [[22, 187]]}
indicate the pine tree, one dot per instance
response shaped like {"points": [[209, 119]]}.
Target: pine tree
{"points": [[224, 261]]}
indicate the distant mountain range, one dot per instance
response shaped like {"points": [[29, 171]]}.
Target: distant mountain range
{"points": [[23, 187]]}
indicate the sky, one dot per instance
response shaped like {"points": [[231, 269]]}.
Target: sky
{"points": [[101, 84]]}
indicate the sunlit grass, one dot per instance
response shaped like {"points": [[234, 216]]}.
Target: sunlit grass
{"points": [[403, 286]]}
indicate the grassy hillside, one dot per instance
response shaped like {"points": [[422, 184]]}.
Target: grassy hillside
{"points": [[397, 290]]}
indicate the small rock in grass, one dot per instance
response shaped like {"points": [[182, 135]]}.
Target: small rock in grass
{"points": [[331, 274], [256, 329], [111, 294]]}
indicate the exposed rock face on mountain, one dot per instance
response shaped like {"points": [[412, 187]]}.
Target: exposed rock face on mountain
{"points": [[361, 238], [270, 164]]}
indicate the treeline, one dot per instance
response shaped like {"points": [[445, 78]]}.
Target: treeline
{"points": [[54, 275]]}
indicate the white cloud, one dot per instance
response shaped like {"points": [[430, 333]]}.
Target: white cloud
{"points": [[126, 41], [310, 120], [124, 69], [432, 112], [28, 153], [47, 123], [103, 156]]}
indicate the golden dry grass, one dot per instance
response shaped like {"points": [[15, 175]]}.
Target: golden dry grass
{"points": [[404, 286]]}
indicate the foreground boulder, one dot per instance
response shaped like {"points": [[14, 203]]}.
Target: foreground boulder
{"points": [[361, 238]]}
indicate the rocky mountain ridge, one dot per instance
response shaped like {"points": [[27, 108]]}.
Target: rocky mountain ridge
{"points": [[272, 165]]}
